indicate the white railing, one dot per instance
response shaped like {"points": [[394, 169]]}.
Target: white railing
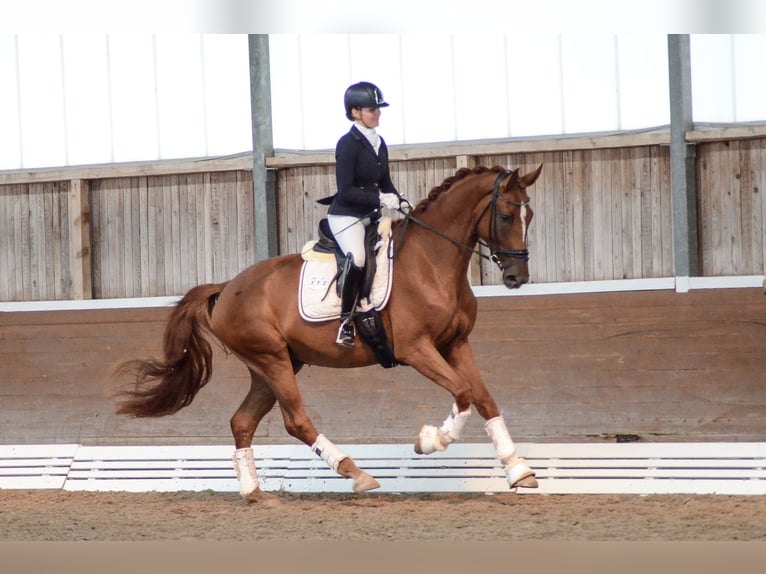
{"points": [[562, 468]]}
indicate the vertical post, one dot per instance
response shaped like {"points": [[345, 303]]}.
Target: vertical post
{"points": [[682, 163], [264, 184], [79, 240]]}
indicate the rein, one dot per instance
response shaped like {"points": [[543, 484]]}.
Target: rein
{"points": [[498, 256]]}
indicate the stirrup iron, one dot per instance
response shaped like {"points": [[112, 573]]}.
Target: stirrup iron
{"points": [[346, 334]]}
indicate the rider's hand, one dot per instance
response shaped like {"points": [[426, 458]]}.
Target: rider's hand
{"points": [[389, 200], [405, 206]]}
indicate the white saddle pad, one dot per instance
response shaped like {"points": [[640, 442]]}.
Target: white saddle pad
{"points": [[317, 294]]}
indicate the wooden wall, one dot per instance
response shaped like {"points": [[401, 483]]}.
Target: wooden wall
{"points": [[659, 365], [162, 235], [599, 214], [603, 211], [732, 207]]}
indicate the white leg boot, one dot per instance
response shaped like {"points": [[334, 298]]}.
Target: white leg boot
{"points": [[516, 470], [244, 466]]}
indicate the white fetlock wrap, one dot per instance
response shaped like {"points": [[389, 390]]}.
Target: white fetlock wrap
{"points": [[328, 452], [432, 439], [244, 467], [501, 440], [452, 428]]}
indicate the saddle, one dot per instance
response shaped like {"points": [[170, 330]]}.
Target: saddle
{"points": [[326, 244], [374, 294]]}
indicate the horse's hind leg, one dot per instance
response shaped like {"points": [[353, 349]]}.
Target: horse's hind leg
{"points": [[281, 382], [258, 402]]}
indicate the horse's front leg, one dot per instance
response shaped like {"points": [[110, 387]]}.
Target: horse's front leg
{"points": [[429, 362], [516, 470]]}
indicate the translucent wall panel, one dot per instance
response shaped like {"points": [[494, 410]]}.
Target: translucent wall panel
{"points": [[10, 135], [93, 98], [87, 98], [727, 84], [41, 114]]}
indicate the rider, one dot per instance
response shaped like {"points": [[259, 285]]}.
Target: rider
{"points": [[364, 186]]}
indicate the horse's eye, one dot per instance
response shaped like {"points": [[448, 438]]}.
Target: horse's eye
{"points": [[506, 218]]}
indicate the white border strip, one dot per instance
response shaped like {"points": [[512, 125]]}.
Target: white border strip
{"points": [[679, 284], [89, 304], [565, 288]]}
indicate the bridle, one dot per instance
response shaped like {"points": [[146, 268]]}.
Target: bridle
{"points": [[504, 258]]}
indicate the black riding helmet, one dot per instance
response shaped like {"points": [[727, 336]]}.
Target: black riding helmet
{"points": [[363, 95]]}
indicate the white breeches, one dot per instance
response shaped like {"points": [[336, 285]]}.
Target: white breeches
{"points": [[349, 233]]}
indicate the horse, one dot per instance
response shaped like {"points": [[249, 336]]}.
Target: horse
{"points": [[429, 316]]}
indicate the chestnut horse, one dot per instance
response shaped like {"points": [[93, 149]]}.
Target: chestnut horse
{"points": [[429, 316]]}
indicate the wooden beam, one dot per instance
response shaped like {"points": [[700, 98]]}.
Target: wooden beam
{"points": [[658, 136], [79, 242], [129, 169]]}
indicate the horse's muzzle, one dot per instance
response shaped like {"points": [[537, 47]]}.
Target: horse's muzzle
{"points": [[513, 263], [515, 280]]}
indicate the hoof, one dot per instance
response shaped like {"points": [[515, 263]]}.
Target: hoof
{"points": [[365, 482], [526, 482], [429, 441], [520, 475], [262, 498]]}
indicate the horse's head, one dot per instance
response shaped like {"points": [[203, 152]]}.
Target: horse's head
{"points": [[506, 226]]}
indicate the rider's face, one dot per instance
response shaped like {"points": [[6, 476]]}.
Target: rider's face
{"points": [[370, 117]]}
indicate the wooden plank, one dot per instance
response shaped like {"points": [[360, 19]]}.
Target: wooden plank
{"points": [[79, 239], [759, 188], [6, 246]]}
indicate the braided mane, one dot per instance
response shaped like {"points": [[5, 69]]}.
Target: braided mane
{"points": [[444, 186]]}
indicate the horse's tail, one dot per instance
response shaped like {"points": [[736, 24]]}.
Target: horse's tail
{"points": [[164, 386]]}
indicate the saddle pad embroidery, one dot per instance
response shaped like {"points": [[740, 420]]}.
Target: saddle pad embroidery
{"points": [[317, 296]]}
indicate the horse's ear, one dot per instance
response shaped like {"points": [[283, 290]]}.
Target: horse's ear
{"points": [[514, 180], [531, 177]]}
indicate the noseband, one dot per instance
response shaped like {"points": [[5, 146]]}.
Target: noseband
{"points": [[504, 258]]}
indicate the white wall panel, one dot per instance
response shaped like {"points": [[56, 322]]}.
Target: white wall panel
{"points": [[377, 58], [180, 96], [642, 64], [481, 96], [589, 75], [227, 94], [83, 98], [324, 66], [286, 91], [133, 89], [10, 137], [533, 82], [428, 88], [749, 79], [86, 89], [41, 97]]}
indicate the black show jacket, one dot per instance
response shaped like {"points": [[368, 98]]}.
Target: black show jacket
{"points": [[360, 175]]}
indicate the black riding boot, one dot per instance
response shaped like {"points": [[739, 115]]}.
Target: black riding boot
{"points": [[350, 283]]}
